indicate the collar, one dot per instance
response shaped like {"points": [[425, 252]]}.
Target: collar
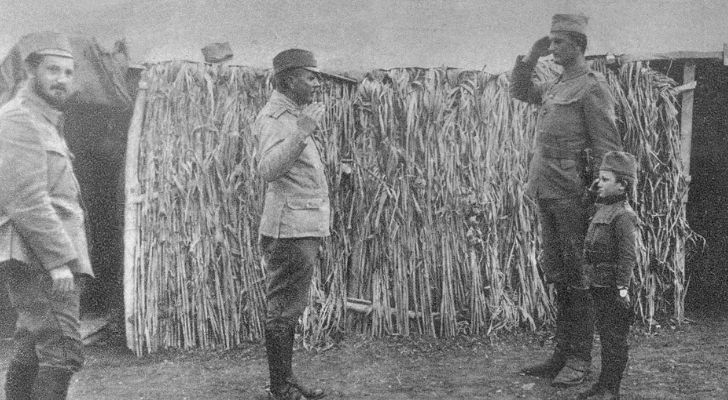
{"points": [[574, 73], [37, 104], [612, 199], [280, 101]]}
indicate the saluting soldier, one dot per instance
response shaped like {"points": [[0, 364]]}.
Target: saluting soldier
{"points": [[576, 114], [295, 212], [43, 247]]}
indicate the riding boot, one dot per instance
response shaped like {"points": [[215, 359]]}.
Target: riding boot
{"points": [[19, 380], [51, 383], [549, 368], [279, 358], [310, 392]]}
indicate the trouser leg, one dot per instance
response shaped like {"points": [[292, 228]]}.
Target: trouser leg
{"points": [[289, 267], [47, 329], [23, 368], [563, 227], [613, 324]]}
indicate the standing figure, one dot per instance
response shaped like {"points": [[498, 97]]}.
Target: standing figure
{"points": [[610, 250], [295, 212], [43, 247], [576, 115]]}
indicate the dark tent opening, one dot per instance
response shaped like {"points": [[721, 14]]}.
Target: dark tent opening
{"points": [[707, 211]]}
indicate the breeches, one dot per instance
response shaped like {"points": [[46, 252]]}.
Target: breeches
{"points": [[289, 267], [563, 229], [574, 322], [47, 329]]}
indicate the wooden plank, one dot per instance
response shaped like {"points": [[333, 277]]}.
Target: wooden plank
{"points": [[686, 137], [725, 53], [131, 215], [675, 55], [686, 117]]}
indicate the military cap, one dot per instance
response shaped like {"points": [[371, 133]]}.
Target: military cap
{"points": [[569, 23], [45, 43], [294, 58], [621, 163], [217, 52]]}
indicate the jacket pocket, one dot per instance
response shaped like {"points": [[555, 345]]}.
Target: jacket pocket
{"points": [[62, 182], [304, 215]]}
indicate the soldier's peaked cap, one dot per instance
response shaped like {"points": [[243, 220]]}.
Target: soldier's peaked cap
{"points": [[45, 43], [294, 58], [569, 23]]}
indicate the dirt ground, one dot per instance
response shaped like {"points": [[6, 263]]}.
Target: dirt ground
{"points": [[687, 362]]}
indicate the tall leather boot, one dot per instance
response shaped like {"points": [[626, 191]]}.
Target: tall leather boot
{"points": [[310, 392], [280, 353], [51, 383], [19, 380]]}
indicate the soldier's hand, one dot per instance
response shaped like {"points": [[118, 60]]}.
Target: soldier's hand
{"points": [[311, 117], [62, 279], [540, 48], [624, 302]]}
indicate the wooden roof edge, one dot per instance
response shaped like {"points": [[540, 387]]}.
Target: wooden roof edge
{"points": [[673, 55]]}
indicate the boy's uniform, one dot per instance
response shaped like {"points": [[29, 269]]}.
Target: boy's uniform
{"points": [[611, 254]]}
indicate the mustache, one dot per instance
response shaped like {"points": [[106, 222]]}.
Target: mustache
{"points": [[60, 86]]}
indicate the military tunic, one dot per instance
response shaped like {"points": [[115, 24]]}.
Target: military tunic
{"points": [[577, 112]]}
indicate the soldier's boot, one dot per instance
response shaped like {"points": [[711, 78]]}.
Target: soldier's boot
{"points": [[51, 383], [549, 368], [597, 389], [310, 392], [19, 380], [279, 349], [575, 372], [607, 394]]}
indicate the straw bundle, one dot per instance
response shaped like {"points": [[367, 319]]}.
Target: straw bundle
{"points": [[431, 230]]}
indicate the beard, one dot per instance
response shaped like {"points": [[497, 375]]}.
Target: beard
{"points": [[56, 96]]}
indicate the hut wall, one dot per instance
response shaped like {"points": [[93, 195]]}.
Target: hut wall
{"points": [[432, 232]]}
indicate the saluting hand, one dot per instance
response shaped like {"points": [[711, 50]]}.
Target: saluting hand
{"points": [[62, 279], [540, 48], [311, 117]]}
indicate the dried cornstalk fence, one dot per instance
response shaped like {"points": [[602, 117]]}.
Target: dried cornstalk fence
{"points": [[431, 230]]}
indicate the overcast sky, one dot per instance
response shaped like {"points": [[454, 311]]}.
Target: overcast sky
{"points": [[349, 35]]}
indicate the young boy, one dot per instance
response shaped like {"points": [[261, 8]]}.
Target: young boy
{"points": [[611, 254]]}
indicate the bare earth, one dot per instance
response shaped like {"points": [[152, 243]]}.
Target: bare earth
{"points": [[687, 362]]}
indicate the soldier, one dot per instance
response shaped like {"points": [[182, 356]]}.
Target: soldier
{"points": [[295, 212], [43, 246], [576, 114], [610, 249]]}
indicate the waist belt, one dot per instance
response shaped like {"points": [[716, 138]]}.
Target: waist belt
{"points": [[559, 153], [595, 257]]}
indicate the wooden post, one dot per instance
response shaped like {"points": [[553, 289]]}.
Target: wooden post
{"points": [[131, 216], [686, 138], [686, 119]]}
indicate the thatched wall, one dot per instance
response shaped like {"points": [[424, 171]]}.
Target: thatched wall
{"points": [[432, 232]]}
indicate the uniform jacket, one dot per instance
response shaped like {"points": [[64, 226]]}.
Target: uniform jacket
{"points": [[610, 244], [577, 112], [41, 218], [297, 193]]}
